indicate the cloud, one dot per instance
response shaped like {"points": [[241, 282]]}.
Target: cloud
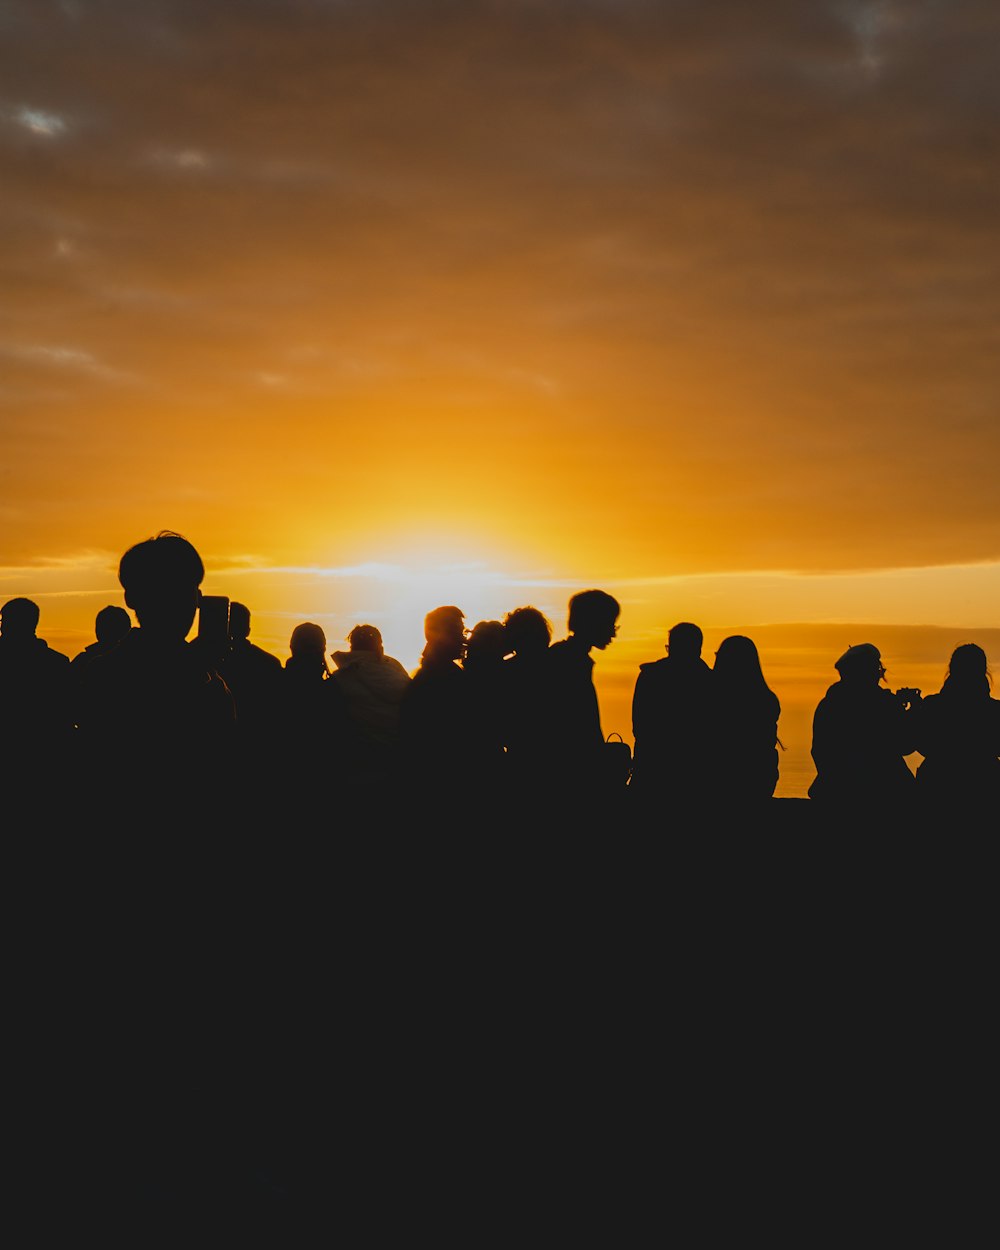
{"points": [[183, 159], [731, 271], [72, 359], [40, 122]]}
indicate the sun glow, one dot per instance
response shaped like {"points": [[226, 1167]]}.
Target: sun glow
{"points": [[423, 577]]}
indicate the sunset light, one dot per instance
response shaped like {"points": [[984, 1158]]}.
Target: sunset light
{"points": [[392, 306]]}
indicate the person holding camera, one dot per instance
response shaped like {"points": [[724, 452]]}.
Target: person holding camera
{"points": [[861, 735]]}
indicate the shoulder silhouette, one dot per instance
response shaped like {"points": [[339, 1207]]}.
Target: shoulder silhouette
{"points": [[153, 703], [435, 714], [372, 686], [672, 718], [958, 735], [525, 706], [579, 775], [861, 734], [743, 727], [36, 697]]}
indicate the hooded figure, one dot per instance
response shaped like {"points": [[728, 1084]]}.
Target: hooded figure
{"points": [[372, 685]]}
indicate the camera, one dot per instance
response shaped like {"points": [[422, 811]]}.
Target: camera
{"points": [[908, 694]]}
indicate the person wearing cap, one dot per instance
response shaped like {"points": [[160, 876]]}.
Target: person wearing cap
{"points": [[861, 734]]}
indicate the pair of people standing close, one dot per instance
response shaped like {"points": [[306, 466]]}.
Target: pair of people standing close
{"points": [[451, 745], [706, 739], [862, 733]]}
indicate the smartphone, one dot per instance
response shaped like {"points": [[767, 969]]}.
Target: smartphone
{"points": [[213, 623]]}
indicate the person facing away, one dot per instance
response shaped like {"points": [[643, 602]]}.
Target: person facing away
{"points": [[153, 703], [434, 721], [958, 734], [485, 652], [744, 726], [861, 734], [525, 717], [312, 712], [255, 677], [577, 769], [372, 685], [673, 772], [36, 697], [111, 624]]}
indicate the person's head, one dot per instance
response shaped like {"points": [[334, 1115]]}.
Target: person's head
{"points": [[861, 664], [593, 617], [487, 643], [239, 621], [528, 630], [19, 618], [366, 638], [308, 641], [112, 623], [738, 660], [308, 650], [968, 667], [444, 631], [684, 641], [161, 577]]}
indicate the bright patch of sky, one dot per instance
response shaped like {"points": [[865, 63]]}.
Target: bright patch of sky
{"points": [[869, 21], [184, 158], [40, 122], [72, 358]]}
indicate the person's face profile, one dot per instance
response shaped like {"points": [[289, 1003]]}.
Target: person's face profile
{"points": [[606, 636]]}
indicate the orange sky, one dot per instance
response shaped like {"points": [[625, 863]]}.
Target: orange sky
{"points": [[385, 305]]}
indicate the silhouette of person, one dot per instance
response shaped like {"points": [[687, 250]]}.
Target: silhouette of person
{"points": [[153, 703], [485, 651], [36, 698], [958, 734], [372, 685], [435, 716], [159, 726], [744, 727], [526, 719], [673, 770], [861, 734], [111, 624], [255, 677], [580, 781], [313, 713]]}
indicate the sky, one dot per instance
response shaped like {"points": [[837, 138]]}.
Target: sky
{"points": [[389, 304]]}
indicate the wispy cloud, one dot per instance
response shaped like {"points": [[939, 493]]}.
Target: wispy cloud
{"points": [[39, 121], [71, 359]]}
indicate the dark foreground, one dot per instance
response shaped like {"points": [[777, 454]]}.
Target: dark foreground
{"points": [[374, 1035]]}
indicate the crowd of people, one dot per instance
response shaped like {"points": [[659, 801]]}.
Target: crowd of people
{"points": [[496, 722], [203, 946]]}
